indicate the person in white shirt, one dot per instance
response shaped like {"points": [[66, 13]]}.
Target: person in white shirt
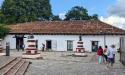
{"points": [[111, 55], [105, 52]]}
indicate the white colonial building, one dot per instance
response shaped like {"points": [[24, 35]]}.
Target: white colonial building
{"points": [[64, 35]]}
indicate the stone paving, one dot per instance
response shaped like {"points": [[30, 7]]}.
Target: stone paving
{"points": [[63, 63]]}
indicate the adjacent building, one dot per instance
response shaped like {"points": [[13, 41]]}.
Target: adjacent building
{"points": [[64, 35]]}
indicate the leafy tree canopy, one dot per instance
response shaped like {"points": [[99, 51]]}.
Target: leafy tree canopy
{"points": [[56, 18], [95, 17], [18, 11], [79, 13], [3, 31]]}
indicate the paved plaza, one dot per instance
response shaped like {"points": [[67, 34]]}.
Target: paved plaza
{"points": [[63, 63]]}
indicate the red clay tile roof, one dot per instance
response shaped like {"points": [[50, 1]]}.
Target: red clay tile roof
{"points": [[66, 27]]}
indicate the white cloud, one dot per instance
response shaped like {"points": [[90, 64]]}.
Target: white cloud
{"points": [[118, 9], [62, 15], [114, 20], [116, 15]]}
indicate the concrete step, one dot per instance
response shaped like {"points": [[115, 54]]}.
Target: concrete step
{"points": [[15, 68], [23, 68], [5, 60], [9, 66]]}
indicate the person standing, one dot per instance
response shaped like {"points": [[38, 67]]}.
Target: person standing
{"points": [[111, 56], [23, 46], [18, 47], [105, 52], [43, 46], [100, 54]]}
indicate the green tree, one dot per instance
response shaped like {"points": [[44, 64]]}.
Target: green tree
{"points": [[18, 11], [3, 31], [1, 17], [95, 17], [78, 13], [56, 18]]}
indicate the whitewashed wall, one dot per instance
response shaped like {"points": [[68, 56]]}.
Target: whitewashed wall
{"points": [[110, 40], [59, 42], [11, 40]]}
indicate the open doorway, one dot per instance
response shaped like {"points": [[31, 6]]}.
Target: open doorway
{"points": [[48, 44], [94, 46], [69, 45], [19, 43]]}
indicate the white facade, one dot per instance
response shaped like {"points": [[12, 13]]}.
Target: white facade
{"points": [[59, 42]]}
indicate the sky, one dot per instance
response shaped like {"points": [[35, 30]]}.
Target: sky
{"points": [[109, 11], [93, 6]]}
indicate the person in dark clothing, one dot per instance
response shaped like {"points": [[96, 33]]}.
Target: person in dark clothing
{"points": [[23, 46], [43, 46], [18, 47]]}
